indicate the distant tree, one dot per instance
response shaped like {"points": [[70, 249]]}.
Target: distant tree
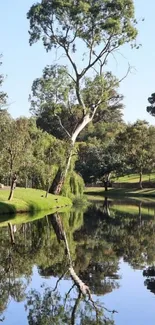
{"points": [[137, 145], [151, 108], [99, 28]]}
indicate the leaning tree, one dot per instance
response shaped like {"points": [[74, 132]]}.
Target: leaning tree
{"points": [[87, 32]]}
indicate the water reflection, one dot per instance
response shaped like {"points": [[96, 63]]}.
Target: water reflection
{"points": [[84, 247]]}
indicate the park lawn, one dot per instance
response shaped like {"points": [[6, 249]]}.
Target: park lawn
{"points": [[30, 200], [119, 192], [134, 178]]}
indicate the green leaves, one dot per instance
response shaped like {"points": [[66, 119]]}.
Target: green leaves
{"points": [[60, 22], [52, 89], [151, 109]]}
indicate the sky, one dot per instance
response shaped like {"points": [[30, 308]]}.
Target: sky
{"points": [[22, 63]]}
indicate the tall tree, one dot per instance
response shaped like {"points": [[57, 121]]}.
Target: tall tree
{"points": [[99, 27]]}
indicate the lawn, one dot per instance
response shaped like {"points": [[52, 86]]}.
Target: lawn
{"points": [[134, 178], [113, 192], [30, 200]]}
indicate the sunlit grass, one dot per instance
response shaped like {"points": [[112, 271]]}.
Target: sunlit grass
{"points": [[30, 200], [134, 178]]}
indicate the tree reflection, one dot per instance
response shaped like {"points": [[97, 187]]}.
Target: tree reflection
{"points": [[83, 310], [150, 281], [92, 243]]}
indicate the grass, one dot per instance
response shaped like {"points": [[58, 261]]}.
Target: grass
{"points": [[134, 178], [112, 192], [30, 200]]}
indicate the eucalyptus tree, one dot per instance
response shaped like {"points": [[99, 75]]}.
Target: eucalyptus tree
{"points": [[98, 28]]}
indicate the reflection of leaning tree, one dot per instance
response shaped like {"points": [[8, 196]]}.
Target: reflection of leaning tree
{"points": [[81, 309]]}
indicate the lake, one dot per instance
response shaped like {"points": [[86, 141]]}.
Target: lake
{"points": [[91, 265]]}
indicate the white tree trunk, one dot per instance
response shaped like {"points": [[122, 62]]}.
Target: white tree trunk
{"points": [[61, 175]]}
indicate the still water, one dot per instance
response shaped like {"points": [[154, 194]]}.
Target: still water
{"points": [[93, 265]]}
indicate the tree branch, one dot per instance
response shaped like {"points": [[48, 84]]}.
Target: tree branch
{"points": [[80, 100], [59, 119], [69, 291], [102, 52], [61, 277], [124, 77], [77, 301]]}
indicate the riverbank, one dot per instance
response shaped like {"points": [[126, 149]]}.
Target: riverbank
{"points": [[30, 200], [112, 192]]}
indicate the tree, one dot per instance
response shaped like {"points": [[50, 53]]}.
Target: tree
{"points": [[99, 27], [137, 145], [151, 108]]}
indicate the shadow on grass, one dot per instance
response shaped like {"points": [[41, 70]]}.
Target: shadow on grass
{"points": [[9, 211], [7, 208]]}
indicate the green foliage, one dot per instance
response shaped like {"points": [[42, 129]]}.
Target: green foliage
{"points": [[137, 144], [151, 108], [33, 154], [3, 96], [60, 116], [46, 309], [73, 186], [59, 22]]}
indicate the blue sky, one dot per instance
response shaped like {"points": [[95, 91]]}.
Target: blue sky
{"points": [[22, 63]]}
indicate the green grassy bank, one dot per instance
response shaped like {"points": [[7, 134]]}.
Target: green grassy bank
{"points": [[134, 178], [30, 200], [112, 192]]}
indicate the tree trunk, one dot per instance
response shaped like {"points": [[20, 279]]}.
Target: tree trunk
{"points": [[13, 186], [25, 182], [61, 174], [57, 182], [140, 214], [106, 181], [140, 180], [56, 222], [106, 186], [11, 233], [47, 191]]}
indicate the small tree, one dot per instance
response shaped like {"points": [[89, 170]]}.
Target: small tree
{"points": [[99, 28], [137, 144]]}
